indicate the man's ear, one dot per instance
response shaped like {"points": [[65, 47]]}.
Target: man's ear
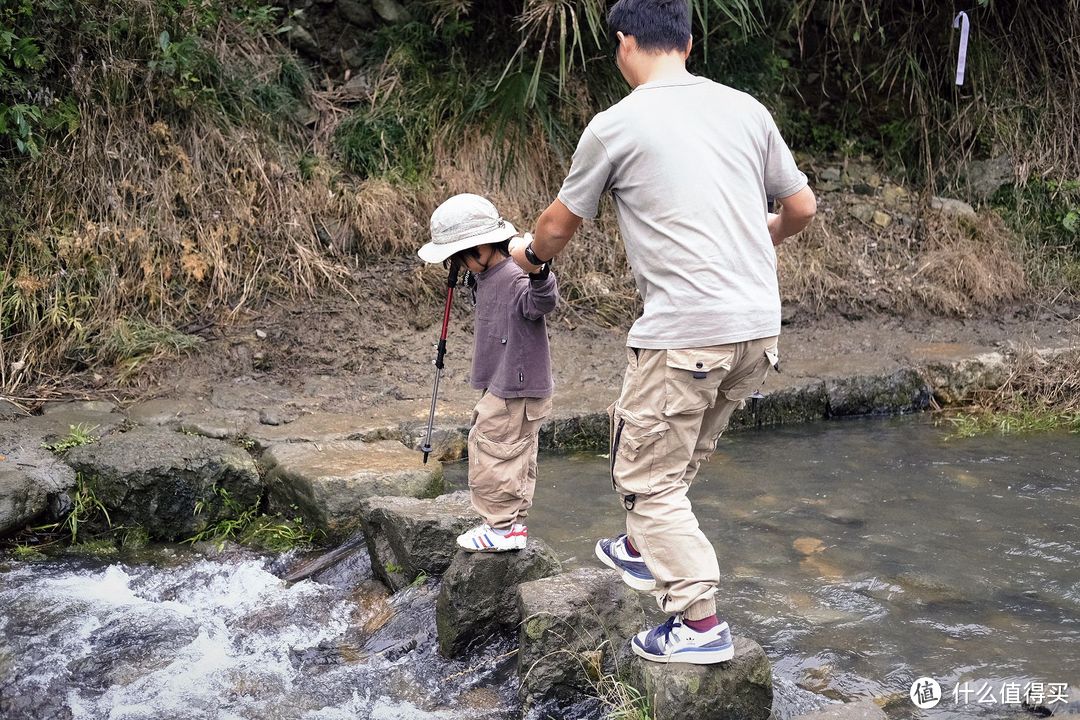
{"points": [[689, 47]]}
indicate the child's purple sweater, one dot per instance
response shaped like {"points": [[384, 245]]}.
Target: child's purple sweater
{"points": [[510, 356]]}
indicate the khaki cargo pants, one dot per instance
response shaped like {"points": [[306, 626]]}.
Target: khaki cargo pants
{"points": [[502, 457], [673, 407]]}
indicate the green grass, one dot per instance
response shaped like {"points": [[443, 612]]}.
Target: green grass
{"points": [[87, 510], [81, 434], [247, 526], [1012, 422]]}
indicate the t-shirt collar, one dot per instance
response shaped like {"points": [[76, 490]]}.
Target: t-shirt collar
{"points": [[671, 82]]}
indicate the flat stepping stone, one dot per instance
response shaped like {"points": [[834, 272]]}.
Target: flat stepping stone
{"points": [[408, 537], [575, 628], [478, 596], [325, 483], [316, 427]]}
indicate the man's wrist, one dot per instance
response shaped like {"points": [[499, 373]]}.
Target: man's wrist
{"points": [[532, 257]]}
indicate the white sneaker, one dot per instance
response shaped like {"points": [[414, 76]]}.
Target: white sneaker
{"points": [[675, 642], [483, 538]]}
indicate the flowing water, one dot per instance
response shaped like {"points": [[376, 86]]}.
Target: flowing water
{"points": [[861, 555]]}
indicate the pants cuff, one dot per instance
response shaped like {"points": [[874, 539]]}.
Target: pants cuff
{"points": [[700, 610]]}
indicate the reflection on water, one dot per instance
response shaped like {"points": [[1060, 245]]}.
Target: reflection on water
{"points": [[864, 554]]}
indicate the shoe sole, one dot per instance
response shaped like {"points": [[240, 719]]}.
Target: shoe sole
{"points": [[634, 582], [690, 657], [491, 550]]}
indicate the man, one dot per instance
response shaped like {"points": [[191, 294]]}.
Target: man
{"points": [[691, 165]]}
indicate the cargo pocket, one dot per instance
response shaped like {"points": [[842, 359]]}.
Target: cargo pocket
{"points": [[693, 377], [496, 468], [537, 408], [634, 447], [751, 380]]}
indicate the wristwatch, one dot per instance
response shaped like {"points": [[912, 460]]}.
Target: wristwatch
{"points": [[531, 256]]}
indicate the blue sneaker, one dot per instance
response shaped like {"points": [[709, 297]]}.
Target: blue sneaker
{"points": [[613, 553], [675, 642]]}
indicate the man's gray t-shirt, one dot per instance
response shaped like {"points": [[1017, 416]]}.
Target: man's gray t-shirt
{"points": [[690, 164]]}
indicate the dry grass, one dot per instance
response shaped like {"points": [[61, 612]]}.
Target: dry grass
{"points": [[1041, 392], [923, 262]]}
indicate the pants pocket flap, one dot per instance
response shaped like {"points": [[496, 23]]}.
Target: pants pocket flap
{"points": [[537, 408], [698, 360], [501, 450]]}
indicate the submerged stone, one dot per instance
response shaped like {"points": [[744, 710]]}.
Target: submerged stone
{"points": [[861, 710], [325, 483], [740, 689], [478, 597], [408, 537], [575, 630], [172, 484]]}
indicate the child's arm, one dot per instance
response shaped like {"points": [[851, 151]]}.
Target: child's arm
{"points": [[536, 296]]}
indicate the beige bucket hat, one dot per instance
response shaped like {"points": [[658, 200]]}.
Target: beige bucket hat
{"points": [[461, 222]]}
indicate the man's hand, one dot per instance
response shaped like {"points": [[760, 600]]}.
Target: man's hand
{"points": [[774, 229], [517, 251], [796, 212]]}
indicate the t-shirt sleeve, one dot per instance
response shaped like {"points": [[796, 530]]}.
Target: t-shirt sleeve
{"points": [[782, 176], [589, 176]]}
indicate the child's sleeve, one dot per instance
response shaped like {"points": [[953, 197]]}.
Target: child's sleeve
{"points": [[535, 298]]}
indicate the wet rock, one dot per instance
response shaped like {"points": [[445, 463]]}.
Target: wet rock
{"points": [[902, 391], [478, 597], [954, 382], [575, 628], [860, 710], [173, 484], [410, 623], [29, 477], [95, 406], [407, 537], [585, 431], [448, 443], [327, 482], [58, 424], [161, 412], [790, 405], [740, 689], [218, 424], [314, 427], [949, 206]]}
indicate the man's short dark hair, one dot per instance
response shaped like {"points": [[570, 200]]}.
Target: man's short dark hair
{"points": [[657, 25]]}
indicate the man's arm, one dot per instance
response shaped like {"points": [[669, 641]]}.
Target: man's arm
{"points": [[554, 229], [796, 212]]}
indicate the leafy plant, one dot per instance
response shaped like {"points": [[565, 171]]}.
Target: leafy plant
{"points": [[87, 509], [81, 434]]}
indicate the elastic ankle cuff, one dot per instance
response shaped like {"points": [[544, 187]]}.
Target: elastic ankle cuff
{"points": [[700, 610]]}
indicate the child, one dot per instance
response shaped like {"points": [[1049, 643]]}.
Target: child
{"points": [[511, 364]]}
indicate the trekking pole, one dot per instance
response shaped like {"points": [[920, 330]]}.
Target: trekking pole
{"points": [[451, 283]]}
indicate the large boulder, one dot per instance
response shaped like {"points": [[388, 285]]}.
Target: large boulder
{"points": [[30, 478], [901, 392], [325, 483], [408, 537], [575, 630], [172, 484], [95, 418], [478, 597], [740, 689]]}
